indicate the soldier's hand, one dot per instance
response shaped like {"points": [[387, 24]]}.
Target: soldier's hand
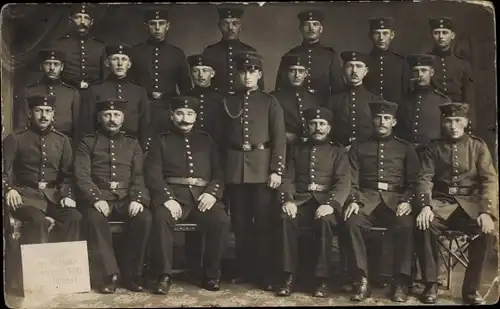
{"points": [[134, 208], [403, 209], [156, 95], [291, 137], [14, 199], [323, 210], [352, 208], [290, 209], [274, 181], [486, 223], [68, 202], [175, 208], [347, 147], [206, 201], [425, 218], [102, 207]]}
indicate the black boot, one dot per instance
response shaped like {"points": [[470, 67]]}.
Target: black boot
{"points": [[362, 290], [135, 284], [211, 284], [321, 289], [109, 284], [429, 295], [399, 291], [472, 298], [286, 288], [163, 285]]}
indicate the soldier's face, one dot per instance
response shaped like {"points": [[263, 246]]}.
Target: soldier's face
{"points": [[42, 116], [382, 38], [202, 75], [82, 22], [423, 74], [297, 75], [454, 127], [52, 68], [384, 124], [119, 64], [318, 129], [183, 118], [250, 77], [230, 28], [111, 120], [311, 30], [355, 71], [158, 28], [443, 37]]}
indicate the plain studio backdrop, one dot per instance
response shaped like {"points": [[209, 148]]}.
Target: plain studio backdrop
{"points": [[272, 29]]}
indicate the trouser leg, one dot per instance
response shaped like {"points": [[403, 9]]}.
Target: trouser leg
{"points": [[137, 234], [162, 241], [35, 227], [69, 220]]}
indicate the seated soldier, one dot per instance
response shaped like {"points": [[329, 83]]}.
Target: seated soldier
{"points": [[457, 189], [315, 187], [109, 175], [184, 175], [37, 176]]}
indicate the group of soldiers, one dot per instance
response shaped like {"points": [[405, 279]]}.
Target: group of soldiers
{"points": [[375, 140]]}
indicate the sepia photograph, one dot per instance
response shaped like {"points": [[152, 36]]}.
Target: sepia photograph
{"points": [[249, 154]]}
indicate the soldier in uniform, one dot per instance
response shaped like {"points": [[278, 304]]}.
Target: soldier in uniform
{"points": [[383, 170], [456, 189], [453, 75], [324, 67], [352, 118], [118, 85], [389, 72], [36, 176], [68, 101], [186, 181], [223, 52], [109, 176], [419, 119], [294, 97], [255, 154], [315, 187]]}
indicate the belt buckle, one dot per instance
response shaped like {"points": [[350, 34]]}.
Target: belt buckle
{"points": [[352, 138], [113, 185], [246, 147], [312, 187], [382, 186], [42, 185], [84, 84], [452, 190], [191, 181]]}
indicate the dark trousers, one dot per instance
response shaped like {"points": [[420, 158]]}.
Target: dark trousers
{"points": [[36, 227], [401, 230], [214, 223], [323, 229], [254, 211], [137, 230], [479, 248]]}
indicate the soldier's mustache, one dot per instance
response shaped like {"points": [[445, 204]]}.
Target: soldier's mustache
{"points": [[185, 123]]}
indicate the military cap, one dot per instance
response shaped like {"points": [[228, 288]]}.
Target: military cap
{"points": [[111, 104], [157, 13], [454, 109], [310, 15], [184, 102], [383, 107], [441, 23], [51, 54], [199, 60], [294, 60], [248, 59], [230, 12], [318, 113], [420, 59], [83, 8], [381, 23], [38, 100], [113, 49], [350, 55]]}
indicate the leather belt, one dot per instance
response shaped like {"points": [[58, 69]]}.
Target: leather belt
{"points": [[312, 187], [112, 185], [383, 186], [247, 147], [41, 185], [444, 188], [187, 181]]}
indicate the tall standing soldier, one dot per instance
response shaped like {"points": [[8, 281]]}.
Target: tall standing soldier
{"points": [[186, 181], [109, 175], [457, 189], [389, 72], [323, 63], [255, 157], [383, 170], [315, 188], [224, 52], [36, 176]]}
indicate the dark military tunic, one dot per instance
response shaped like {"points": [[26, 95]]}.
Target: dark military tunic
{"points": [[324, 70], [351, 114], [222, 54], [388, 75]]}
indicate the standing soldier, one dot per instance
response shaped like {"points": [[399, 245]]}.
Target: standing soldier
{"points": [[383, 170], [457, 189], [315, 187], [294, 97], [109, 175], [352, 118], [255, 141], [323, 64], [68, 101], [118, 85], [389, 73], [36, 175], [223, 52]]}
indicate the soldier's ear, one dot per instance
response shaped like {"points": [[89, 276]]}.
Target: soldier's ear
{"points": [[167, 26], [453, 35], [394, 122], [393, 34], [91, 22], [431, 71], [129, 64], [260, 74], [321, 28], [62, 66], [106, 62], [212, 73]]}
